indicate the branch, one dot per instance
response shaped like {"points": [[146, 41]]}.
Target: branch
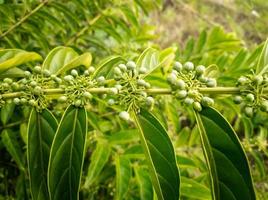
{"points": [[23, 19]]}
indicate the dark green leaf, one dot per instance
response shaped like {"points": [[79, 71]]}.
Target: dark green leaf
{"points": [[67, 155]]}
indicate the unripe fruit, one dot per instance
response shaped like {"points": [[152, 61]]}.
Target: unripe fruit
{"points": [[188, 66], [74, 73], [62, 99], [27, 74], [37, 69], [142, 70], [200, 69], [113, 91], [207, 101], [32, 102], [91, 69], [149, 101], [181, 94], [8, 80], [249, 111], [117, 71], [15, 86], [211, 82], [264, 106], [77, 103], [101, 80], [23, 101], [123, 67], [68, 78], [141, 82], [177, 66], [131, 65], [197, 106], [237, 99], [46, 73], [87, 95], [193, 93], [37, 90], [124, 115], [250, 98], [242, 80], [33, 83], [257, 79], [111, 102], [16, 101], [180, 84], [188, 101]]}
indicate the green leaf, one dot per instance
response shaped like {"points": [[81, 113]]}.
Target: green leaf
{"points": [[123, 175], [67, 155], [227, 163], [84, 59], [160, 156], [10, 58], [98, 159], [144, 182], [6, 112], [11, 143], [12, 73], [262, 65], [194, 190], [61, 59], [41, 130]]}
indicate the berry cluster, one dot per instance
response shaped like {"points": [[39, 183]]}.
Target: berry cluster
{"points": [[186, 79], [131, 88], [252, 97]]}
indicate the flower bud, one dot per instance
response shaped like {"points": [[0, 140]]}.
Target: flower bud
{"points": [[197, 106], [131, 65], [188, 66], [177, 66], [124, 115], [237, 99], [123, 67], [74, 73], [200, 69]]}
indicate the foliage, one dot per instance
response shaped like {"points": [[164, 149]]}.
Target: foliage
{"points": [[94, 108]]}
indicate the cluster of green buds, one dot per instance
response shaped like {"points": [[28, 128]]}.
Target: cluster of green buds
{"points": [[251, 95], [185, 80], [76, 87], [131, 88], [31, 87]]}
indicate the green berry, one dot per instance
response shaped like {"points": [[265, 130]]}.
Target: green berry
{"points": [[188, 101], [74, 73], [249, 111], [46, 73], [250, 98], [77, 103], [149, 101], [15, 86], [181, 94], [16, 101], [37, 90], [197, 106], [68, 78], [91, 69], [242, 80], [179, 83], [188, 66], [177, 66], [131, 65], [32, 102], [124, 115], [123, 67], [258, 80], [211, 82], [8, 80], [87, 95], [117, 71], [27, 74], [207, 101], [33, 83], [37, 69], [264, 106], [200, 69], [111, 102], [237, 99], [23, 101], [62, 99]]}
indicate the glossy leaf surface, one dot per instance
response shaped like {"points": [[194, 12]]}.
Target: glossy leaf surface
{"points": [[160, 156], [67, 155]]}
